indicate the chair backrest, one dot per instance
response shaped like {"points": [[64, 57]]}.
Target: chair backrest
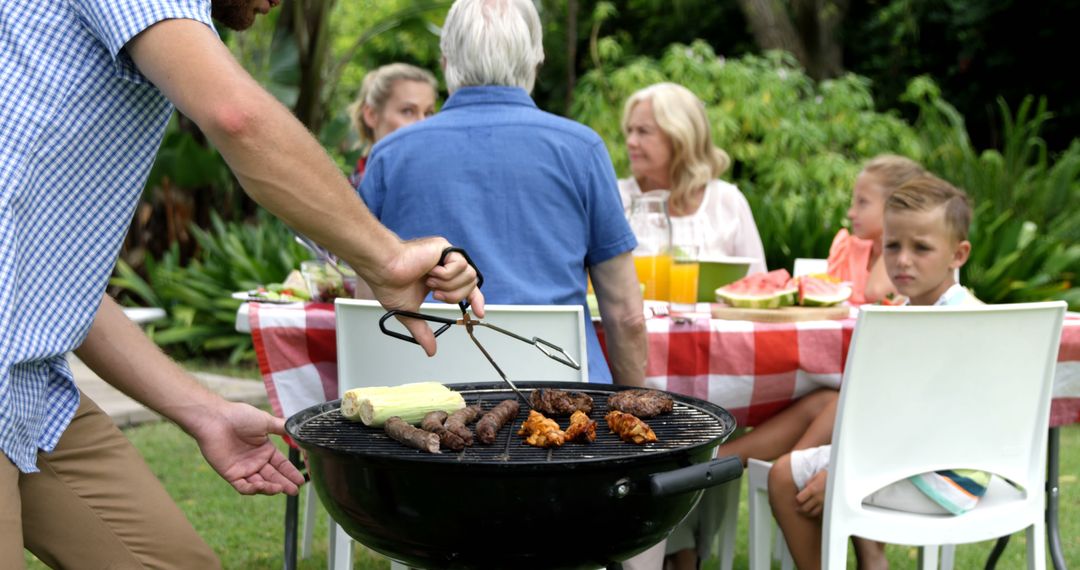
{"points": [[931, 388], [367, 357], [807, 266]]}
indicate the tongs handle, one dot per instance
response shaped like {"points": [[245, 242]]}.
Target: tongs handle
{"points": [[464, 303], [446, 322]]}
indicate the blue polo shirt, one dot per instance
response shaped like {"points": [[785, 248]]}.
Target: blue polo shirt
{"points": [[530, 195]]}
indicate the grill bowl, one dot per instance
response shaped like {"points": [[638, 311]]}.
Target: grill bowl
{"points": [[510, 505]]}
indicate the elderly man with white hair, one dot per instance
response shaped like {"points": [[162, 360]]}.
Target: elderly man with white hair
{"points": [[532, 196]]}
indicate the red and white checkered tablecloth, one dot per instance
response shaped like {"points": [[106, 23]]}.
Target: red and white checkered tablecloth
{"points": [[752, 369]]}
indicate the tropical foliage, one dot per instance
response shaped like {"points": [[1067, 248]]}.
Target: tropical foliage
{"points": [[197, 297]]}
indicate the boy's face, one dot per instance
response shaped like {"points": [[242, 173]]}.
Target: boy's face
{"points": [[921, 254], [867, 207]]}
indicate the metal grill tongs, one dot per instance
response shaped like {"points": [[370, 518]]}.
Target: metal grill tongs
{"points": [[550, 350]]}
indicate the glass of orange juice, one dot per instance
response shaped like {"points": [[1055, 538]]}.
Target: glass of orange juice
{"points": [[684, 275], [654, 271]]}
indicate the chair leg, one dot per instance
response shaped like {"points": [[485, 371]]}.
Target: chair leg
{"points": [[340, 554], [834, 549], [948, 556], [729, 523], [761, 521], [928, 557], [310, 507], [1036, 549]]}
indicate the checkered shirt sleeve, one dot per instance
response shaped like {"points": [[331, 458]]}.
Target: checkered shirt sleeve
{"points": [[79, 129]]}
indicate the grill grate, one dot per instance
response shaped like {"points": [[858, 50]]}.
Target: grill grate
{"points": [[687, 425]]}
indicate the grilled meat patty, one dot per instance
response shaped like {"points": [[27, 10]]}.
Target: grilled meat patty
{"points": [[641, 403], [551, 402]]}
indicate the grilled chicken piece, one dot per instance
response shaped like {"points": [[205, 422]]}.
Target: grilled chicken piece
{"points": [[541, 432], [581, 428], [551, 402], [629, 428], [641, 403]]}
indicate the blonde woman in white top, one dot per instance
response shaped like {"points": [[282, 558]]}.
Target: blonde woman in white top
{"points": [[669, 142], [670, 146]]}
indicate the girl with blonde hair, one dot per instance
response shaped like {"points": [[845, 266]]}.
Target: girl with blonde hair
{"points": [[392, 96], [669, 141], [855, 255]]}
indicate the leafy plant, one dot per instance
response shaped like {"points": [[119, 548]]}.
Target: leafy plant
{"points": [[201, 314]]}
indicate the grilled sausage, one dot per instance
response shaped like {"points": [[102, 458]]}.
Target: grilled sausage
{"points": [[494, 420], [400, 430], [457, 421]]}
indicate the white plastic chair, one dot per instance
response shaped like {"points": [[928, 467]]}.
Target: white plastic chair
{"points": [[367, 357], [808, 266], [932, 388]]}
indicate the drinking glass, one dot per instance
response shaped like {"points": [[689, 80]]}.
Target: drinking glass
{"points": [[684, 274], [648, 218]]}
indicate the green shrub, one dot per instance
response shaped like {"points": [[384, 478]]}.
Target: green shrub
{"points": [[797, 146], [201, 313]]}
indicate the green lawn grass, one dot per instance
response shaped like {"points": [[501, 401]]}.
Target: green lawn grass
{"points": [[247, 532]]}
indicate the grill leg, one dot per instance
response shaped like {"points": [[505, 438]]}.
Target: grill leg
{"points": [[292, 507]]}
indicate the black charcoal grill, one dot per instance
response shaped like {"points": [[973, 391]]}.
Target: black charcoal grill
{"points": [[511, 505]]}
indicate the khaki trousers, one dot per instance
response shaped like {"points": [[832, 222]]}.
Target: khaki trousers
{"points": [[95, 504]]}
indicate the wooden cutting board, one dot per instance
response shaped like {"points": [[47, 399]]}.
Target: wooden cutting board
{"points": [[781, 315]]}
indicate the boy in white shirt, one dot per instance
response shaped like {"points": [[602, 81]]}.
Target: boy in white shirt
{"points": [[925, 241]]}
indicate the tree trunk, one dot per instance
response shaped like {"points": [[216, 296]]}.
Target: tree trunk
{"points": [[309, 21], [571, 53], [772, 27], [809, 31], [817, 22]]}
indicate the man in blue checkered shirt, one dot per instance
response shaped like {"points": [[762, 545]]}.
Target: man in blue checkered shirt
{"points": [[86, 90]]}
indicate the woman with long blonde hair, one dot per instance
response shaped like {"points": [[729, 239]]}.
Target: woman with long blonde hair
{"points": [[669, 141], [392, 96]]}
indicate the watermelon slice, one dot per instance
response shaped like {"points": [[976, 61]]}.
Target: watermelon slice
{"points": [[821, 292], [770, 290]]}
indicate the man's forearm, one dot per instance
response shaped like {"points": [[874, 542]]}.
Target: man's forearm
{"points": [[627, 351], [619, 300], [118, 351]]}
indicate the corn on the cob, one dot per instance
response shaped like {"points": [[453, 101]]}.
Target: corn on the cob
{"points": [[374, 405]]}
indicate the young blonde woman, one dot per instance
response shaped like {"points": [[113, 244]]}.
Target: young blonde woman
{"points": [[670, 145], [393, 96]]}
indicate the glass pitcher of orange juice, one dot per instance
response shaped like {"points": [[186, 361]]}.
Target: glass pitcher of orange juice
{"points": [[649, 219]]}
